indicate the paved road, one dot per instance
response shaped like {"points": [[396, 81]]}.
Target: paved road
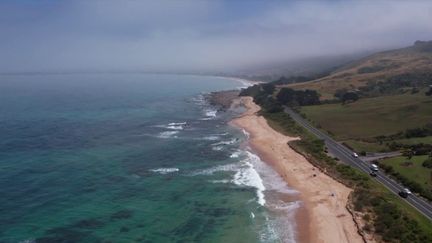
{"points": [[346, 155]]}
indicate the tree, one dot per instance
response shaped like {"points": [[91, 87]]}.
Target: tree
{"points": [[429, 92], [427, 163], [268, 88], [289, 96], [286, 96], [408, 153], [350, 96], [340, 93]]}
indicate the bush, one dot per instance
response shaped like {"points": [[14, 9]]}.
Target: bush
{"points": [[427, 163], [292, 97]]}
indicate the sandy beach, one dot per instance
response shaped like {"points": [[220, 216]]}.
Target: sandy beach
{"points": [[323, 216]]}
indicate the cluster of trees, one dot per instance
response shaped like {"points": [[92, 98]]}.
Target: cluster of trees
{"points": [[428, 163], [424, 131], [346, 96], [395, 83], [412, 149], [263, 96], [419, 132], [293, 97]]}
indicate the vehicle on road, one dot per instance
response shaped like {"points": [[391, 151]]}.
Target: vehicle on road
{"points": [[374, 167], [405, 193], [355, 155], [373, 173]]}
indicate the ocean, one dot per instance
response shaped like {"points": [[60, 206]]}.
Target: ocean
{"points": [[132, 158]]}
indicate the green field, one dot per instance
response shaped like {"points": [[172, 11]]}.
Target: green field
{"points": [[360, 146], [371, 117], [415, 171], [409, 141]]}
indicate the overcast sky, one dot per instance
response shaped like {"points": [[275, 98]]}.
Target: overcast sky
{"points": [[182, 35]]}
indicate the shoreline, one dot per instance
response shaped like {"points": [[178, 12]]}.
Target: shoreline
{"points": [[245, 82], [323, 208]]}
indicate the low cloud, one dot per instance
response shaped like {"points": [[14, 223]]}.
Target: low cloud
{"points": [[198, 35]]}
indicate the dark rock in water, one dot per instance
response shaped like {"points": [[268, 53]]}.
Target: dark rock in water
{"points": [[122, 214], [63, 235], [76, 232], [89, 223], [223, 99]]}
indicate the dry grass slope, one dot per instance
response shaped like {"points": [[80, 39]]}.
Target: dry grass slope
{"points": [[380, 66]]}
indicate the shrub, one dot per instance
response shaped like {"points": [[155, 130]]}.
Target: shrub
{"points": [[427, 163], [292, 97]]}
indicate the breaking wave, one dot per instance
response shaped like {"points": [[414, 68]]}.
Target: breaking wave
{"points": [[245, 174], [173, 125], [168, 134], [164, 171]]}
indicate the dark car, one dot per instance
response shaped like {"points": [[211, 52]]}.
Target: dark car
{"points": [[373, 173], [405, 193]]}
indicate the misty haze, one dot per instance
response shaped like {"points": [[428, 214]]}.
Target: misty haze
{"points": [[199, 36]]}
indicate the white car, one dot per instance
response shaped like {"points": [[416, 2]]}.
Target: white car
{"points": [[374, 167], [355, 155]]}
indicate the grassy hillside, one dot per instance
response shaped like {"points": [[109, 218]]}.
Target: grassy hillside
{"points": [[382, 66], [372, 117]]}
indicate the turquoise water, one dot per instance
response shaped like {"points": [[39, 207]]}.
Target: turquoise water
{"points": [[130, 158]]}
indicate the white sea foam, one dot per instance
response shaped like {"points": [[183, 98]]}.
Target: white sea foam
{"points": [[211, 137], [168, 134], [281, 227], [245, 174], [200, 99], [217, 148], [210, 112], [228, 142], [246, 133], [177, 123], [212, 170], [220, 181], [173, 126], [164, 171], [235, 154], [248, 176]]}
